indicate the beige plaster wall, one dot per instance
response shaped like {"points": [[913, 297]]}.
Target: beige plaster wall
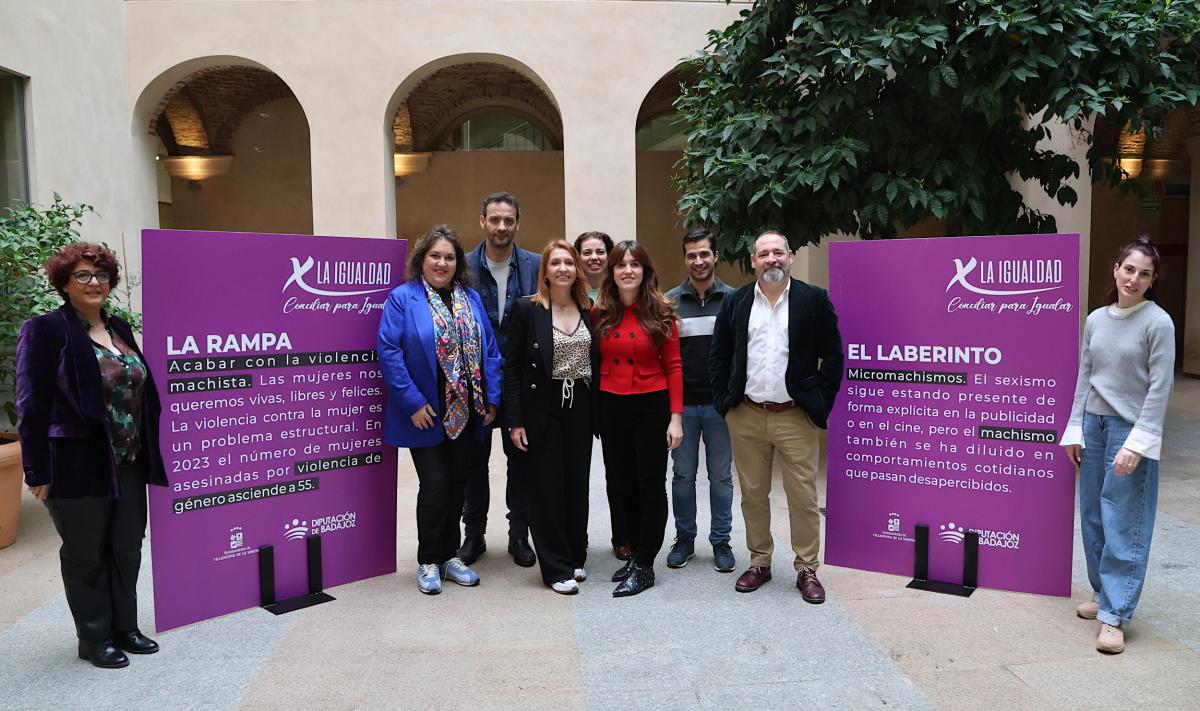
{"points": [[268, 188], [452, 190], [78, 114], [350, 63]]}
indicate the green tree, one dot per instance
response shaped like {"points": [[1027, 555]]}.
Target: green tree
{"points": [[863, 116]]}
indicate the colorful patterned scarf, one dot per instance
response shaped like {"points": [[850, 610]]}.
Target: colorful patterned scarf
{"points": [[458, 346]]}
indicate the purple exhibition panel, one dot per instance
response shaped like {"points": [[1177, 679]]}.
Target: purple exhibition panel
{"points": [[961, 355], [263, 350]]}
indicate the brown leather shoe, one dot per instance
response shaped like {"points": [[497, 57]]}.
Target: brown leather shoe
{"points": [[623, 552], [810, 587], [753, 579]]}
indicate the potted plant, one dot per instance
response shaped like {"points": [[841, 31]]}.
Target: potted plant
{"points": [[29, 235]]}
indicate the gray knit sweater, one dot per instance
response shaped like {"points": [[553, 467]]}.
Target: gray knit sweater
{"points": [[1126, 368]]}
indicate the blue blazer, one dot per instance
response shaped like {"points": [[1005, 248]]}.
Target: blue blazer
{"points": [[408, 359]]}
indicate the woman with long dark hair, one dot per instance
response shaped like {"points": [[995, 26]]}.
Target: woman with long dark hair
{"points": [[1114, 436], [641, 407], [89, 440], [441, 368], [551, 369]]}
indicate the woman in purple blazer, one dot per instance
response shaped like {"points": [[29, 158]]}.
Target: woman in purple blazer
{"points": [[441, 367], [89, 444]]}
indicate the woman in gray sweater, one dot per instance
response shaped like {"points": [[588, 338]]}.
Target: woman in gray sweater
{"points": [[1114, 436]]}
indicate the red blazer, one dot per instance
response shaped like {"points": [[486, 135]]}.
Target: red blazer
{"points": [[631, 363]]}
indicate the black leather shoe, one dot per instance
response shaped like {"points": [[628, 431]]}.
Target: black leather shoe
{"points": [[522, 554], [639, 579], [135, 642], [103, 654], [472, 548]]}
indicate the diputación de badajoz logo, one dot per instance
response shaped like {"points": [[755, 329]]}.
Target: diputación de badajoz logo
{"points": [[955, 533], [1018, 286]]}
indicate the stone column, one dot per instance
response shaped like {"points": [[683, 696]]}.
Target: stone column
{"points": [[353, 183], [599, 169], [1070, 219]]}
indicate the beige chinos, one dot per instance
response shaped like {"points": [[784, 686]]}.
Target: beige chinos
{"points": [[756, 436]]}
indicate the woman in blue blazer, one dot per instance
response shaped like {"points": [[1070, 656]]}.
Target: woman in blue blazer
{"points": [[441, 367], [89, 444]]}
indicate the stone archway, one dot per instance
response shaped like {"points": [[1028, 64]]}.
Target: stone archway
{"points": [[441, 174], [233, 148]]}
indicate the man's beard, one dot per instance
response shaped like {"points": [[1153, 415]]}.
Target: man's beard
{"points": [[774, 275]]}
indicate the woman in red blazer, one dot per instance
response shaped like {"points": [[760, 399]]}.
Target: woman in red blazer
{"points": [[641, 407]]}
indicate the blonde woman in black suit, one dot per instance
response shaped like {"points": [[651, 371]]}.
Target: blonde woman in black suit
{"points": [[551, 366]]}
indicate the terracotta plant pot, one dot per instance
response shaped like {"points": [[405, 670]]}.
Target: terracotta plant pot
{"points": [[11, 478]]}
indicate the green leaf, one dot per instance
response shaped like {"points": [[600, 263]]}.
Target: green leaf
{"points": [[949, 76]]}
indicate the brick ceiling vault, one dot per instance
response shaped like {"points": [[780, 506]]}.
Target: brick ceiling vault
{"points": [[660, 100], [441, 100], [201, 113]]}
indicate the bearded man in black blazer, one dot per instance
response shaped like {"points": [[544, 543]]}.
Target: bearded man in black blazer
{"points": [[777, 326]]}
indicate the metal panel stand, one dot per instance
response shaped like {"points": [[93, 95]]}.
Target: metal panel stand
{"points": [[970, 579], [266, 581]]}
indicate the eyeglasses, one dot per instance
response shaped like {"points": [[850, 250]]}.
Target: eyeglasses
{"points": [[86, 277]]}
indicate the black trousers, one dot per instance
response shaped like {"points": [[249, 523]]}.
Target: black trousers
{"points": [[101, 554], [634, 436], [479, 492], [442, 471], [556, 468]]}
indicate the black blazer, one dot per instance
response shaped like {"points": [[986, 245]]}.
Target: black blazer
{"points": [[64, 428], [814, 370], [529, 365]]}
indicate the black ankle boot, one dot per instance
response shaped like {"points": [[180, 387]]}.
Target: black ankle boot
{"points": [[624, 572], [473, 546], [522, 554], [640, 579], [103, 654]]}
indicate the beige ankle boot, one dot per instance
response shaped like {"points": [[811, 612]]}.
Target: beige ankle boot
{"points": [[1111, 639]]}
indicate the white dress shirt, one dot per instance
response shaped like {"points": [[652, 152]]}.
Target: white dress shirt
{"points": [[767, 347]]}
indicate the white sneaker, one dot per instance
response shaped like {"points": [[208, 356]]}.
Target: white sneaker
{"points": [[580, 575], [565, 587], [1111, 639], [1088, 610]]}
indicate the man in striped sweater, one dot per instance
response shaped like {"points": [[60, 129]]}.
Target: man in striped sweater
{"points": [[697, 301]]}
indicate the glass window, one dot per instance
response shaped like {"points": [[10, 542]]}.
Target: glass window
{"points": [[495, 131], [14, 182]]}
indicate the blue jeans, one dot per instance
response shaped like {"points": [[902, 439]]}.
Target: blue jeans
{"points": [[1117, 518], [703, 420]]}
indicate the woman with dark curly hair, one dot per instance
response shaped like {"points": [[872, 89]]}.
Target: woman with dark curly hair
{"points": [[89, 444], [641, 407], [441, 368]]}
